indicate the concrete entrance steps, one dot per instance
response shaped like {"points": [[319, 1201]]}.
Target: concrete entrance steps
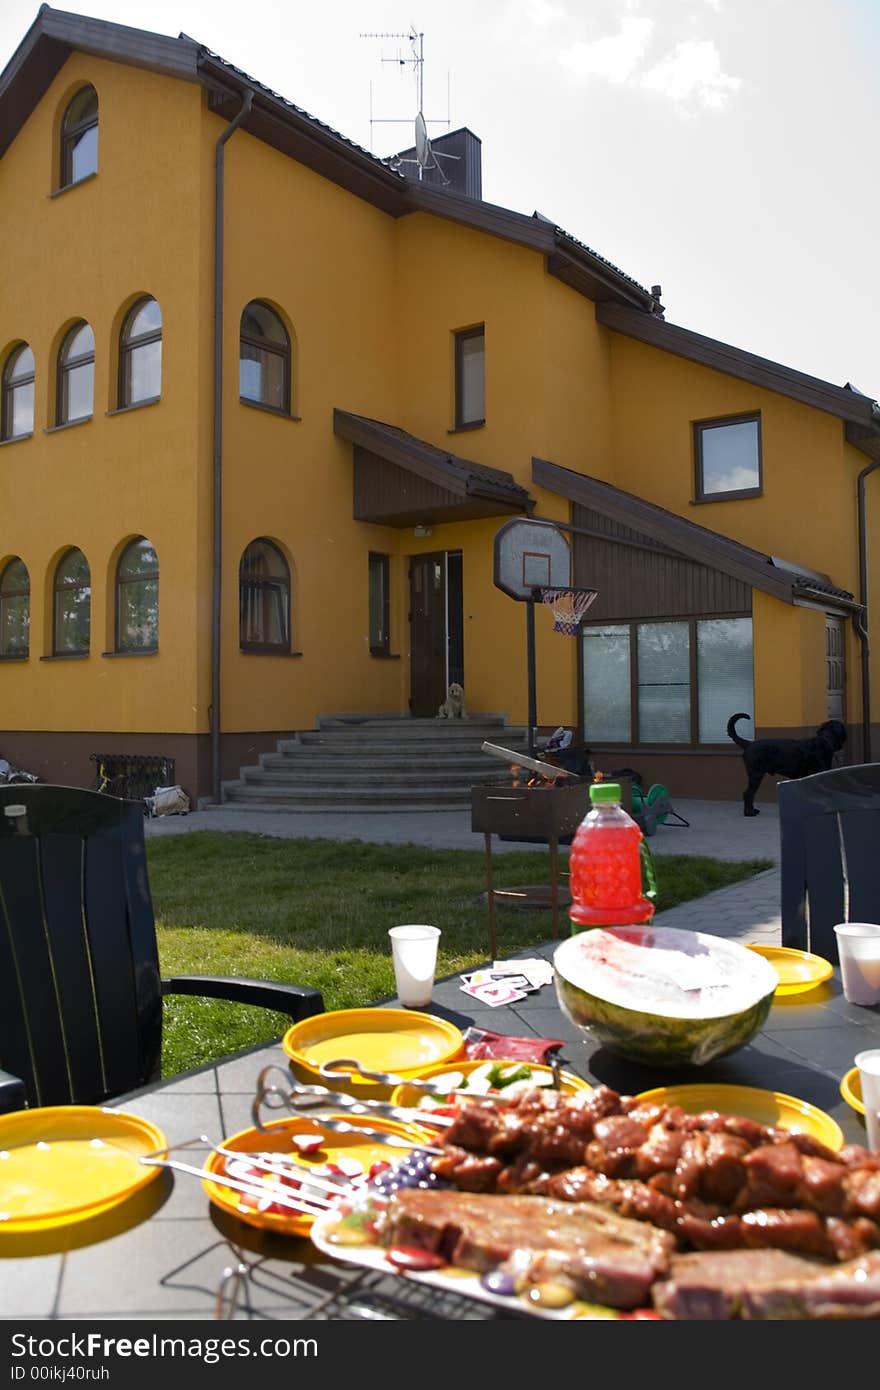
{"points": [[375, 765]]}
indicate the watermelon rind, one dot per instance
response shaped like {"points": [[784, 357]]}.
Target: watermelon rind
{"points": [[655, 1038]]}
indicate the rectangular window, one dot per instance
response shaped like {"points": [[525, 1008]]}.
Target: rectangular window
{"points": [[724, 674], [664, 687], [654, 682], [727, 455], [470, 378], [379, 604], [606, 663]]}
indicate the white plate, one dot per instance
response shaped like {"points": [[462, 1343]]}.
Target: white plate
{"points": [[460, 1281]]}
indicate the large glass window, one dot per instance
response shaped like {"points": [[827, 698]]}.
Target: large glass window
{"points": [[728, 458], [664, 687], [17, 405], [137, 598], [379, 607], [264, 358], [264, 599], [668, 682], [15, 609], [76, 375], [606, 670], [470, 377], [140, 354], [79, 137], [724, 674], [72, 610]]}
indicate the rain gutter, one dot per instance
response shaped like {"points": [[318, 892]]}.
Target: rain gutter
{"points": [[217, 543], [860, 620]]}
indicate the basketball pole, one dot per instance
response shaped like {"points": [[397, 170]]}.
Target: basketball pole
{"points": [[530, 660]]}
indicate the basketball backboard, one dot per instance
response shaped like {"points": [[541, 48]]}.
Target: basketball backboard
{"points": [[529, 555]]}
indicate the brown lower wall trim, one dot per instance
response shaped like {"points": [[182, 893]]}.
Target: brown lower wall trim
{"points": [[712, 775], [63, 758]]}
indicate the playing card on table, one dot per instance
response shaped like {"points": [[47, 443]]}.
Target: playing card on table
{"points": [[537, 971], [489, 977], [494, 992]]}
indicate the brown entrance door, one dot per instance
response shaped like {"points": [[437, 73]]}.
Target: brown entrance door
{"points": [[835, 659], [427, 633]]}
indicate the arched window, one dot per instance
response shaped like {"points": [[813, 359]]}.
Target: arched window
{"points": [[15, 609], [137, 598], [76, 375], [17, 406], [79, 137], [264, 598], [140, 354], [264, 358], [73, 598]]}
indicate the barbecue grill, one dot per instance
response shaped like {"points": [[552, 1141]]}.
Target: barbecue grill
{"points": [[547, 811]]}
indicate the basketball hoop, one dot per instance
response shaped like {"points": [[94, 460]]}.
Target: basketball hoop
{"points": [[569, 607]]}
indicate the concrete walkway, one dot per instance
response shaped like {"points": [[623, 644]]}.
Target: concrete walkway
{"points": [[746, 911]]}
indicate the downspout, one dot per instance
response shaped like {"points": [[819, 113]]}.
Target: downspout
{"points": [[861, 618], [217, 543]]}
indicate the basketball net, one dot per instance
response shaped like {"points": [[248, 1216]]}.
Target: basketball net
{"points": [[569, 607]]}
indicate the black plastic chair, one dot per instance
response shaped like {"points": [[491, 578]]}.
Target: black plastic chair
{"points": [[80, 990], [829, 838]]}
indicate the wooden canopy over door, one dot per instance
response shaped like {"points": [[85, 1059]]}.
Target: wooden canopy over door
{"points": [[427, 628]]}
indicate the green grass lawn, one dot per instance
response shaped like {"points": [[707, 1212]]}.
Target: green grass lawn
{"points": [[317, 912]]}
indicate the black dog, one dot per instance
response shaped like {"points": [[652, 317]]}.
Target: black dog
{"points": [[785, 757]]}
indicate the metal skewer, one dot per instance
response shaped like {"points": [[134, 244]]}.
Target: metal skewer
{"points": [[275, 1097], [314, 1207]]}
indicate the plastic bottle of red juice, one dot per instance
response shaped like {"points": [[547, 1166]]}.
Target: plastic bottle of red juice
{"points": [[605, 865]]}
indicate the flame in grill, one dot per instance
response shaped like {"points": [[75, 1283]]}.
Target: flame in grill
{"points": [[522, 777]]}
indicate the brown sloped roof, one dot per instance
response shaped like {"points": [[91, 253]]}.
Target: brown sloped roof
{"points": [[457, 475], [849, 404], [622, 303], [55, 34], [695, 542]]}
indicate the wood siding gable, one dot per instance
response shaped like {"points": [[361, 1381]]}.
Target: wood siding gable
{"points": [[638, 578]]}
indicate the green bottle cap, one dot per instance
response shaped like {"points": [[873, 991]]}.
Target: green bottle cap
{"points": [[601, 792]]}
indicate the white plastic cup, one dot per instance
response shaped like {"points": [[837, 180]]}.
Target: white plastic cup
{"points": [[868, 1064], [858, 946], [414, 953]]}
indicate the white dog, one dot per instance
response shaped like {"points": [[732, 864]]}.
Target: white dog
{"points": [[453, 705]]}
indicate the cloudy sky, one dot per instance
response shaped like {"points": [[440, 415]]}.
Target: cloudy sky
{"points": [[724, 149]]}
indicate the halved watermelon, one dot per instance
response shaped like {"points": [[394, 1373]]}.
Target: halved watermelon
{"points": [[661, 995]]}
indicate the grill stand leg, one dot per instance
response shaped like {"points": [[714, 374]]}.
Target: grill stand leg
{"points": [[490, 896], [554, 883]]}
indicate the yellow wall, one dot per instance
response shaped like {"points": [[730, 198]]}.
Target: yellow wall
{"points": [[133, 229], [790, 689], [372, 304], [807, 514]]}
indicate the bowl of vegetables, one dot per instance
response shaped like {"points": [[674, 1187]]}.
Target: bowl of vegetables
{"points": [[503, 1079]]}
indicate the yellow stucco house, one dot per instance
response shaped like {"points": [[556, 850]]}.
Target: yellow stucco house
{"points": [[266, 400]]}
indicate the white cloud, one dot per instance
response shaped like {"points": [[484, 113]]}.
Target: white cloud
{"points": [[692, 73], [615, 57], [544, 12]]}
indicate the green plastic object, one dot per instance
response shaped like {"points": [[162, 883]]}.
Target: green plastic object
{"points": [[602, 792]]}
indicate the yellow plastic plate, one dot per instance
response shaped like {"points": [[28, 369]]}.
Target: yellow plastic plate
{"points": [[765, 1107], [798, 971], [851, 1090], [408, 1095], [276, 1138], [65, 1163], [392, 1040]]}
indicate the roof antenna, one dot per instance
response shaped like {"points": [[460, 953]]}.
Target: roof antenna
{"points": [[426, 157]]}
